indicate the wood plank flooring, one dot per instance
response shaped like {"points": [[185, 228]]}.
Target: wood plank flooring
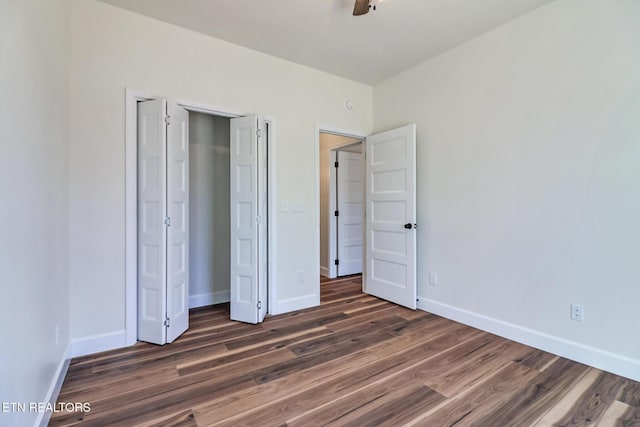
{"points": [[353, 361]]}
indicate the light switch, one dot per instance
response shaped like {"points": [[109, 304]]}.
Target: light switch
{"points": [[285, 206], [299, 206]]}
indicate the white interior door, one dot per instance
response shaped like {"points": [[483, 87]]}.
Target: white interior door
{"points": [[391, 216], [263, 215], [152, 236], [245, 219], [163, 215], [350, 195], [178, 227]]}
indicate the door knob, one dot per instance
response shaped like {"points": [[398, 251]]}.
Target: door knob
{"points": [[408, 226]]}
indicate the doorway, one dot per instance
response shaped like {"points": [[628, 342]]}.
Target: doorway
{"points": [[389, 211], [209, 219], [330, 146]]}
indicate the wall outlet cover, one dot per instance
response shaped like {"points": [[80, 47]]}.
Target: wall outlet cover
{"points": [[577, 312], [433, 278]]}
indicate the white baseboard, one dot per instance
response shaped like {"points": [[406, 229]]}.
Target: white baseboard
{"points": [[292, 304], [324, 271], [97, 343], [211, 298], [598, 358], [54, 389]]}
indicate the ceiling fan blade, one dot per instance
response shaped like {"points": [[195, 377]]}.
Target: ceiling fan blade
{"points": [[361, 7]]}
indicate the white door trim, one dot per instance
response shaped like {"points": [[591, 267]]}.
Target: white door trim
{"points": [[272, 232], [132, 96]]}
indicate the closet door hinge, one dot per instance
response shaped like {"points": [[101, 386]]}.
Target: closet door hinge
{"points": [[167, 321], [259, 133], [258, 219], [167, 222], [259, 305], [337, 262], [336, 164], [337, 213], [167, 119]]}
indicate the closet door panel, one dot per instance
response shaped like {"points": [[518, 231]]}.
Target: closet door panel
{"points": [[152, 238], [244, 219], [178, 229]]}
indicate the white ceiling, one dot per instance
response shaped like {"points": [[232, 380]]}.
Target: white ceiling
{"points": [[323, 34]]}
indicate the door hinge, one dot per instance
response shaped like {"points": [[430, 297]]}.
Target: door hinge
{"points": [[337, 213], [258, 219], [167, 119], [336, 164], [259, 305], [167, 222], [337, 262], [167, 322], [259, 133]]}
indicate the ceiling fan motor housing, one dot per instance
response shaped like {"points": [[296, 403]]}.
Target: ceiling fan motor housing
{"points": [[361, 7]]}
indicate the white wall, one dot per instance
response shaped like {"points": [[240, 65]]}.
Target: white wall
{"points": [[209, 222], [528, 176], [113, 49], [34, 254], [327, 141]]}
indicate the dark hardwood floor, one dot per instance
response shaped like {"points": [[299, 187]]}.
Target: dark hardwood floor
{"points": [[353, 361]]}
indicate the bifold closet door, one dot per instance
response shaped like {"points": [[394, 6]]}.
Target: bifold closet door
{"points": [[163, 195], [178, 228], [248, 221]]}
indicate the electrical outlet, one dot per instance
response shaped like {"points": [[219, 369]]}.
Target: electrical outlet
{"points": [[433, 278], [577, 312]]}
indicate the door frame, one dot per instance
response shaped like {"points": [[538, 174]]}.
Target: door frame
{"points": [[132, 96], [340, 132]]}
